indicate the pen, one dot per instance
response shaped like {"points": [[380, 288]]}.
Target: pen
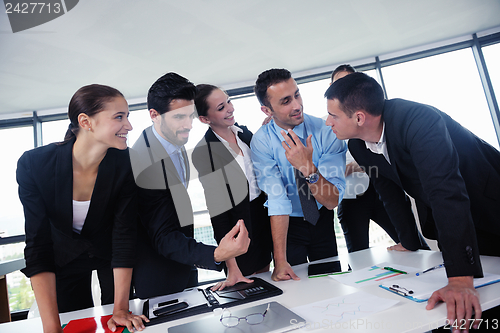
{"points": [[431, 269], [394, 270]]}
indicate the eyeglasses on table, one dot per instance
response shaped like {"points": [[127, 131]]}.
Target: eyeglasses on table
{"points": [[251, 319]]}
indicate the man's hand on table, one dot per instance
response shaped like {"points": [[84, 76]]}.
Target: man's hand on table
{"points": [[283, 271], [397, 247], [462, 302]]}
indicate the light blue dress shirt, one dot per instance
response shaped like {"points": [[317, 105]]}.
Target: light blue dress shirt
{"points": [[275, 175], [175, 154]]}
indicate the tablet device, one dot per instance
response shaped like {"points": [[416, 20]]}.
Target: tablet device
{"points": [[328, 268]]}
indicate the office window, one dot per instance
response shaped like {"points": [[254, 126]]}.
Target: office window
{"points": [[491, 55], [449, 82], [54, 131], [139, 119], [247, 112], [16, 142]]}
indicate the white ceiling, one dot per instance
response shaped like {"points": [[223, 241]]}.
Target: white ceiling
{"points": [[128, 44]]}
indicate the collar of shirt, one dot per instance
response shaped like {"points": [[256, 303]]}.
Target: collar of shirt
{"points": [[233, 128], [244, 161], [379, 147], [299, 130]]}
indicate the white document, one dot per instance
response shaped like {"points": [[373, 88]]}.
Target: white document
{"points": [[330, 313]]}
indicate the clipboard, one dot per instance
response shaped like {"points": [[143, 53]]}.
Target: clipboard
{"points": [[205, 300], [420, 288]]}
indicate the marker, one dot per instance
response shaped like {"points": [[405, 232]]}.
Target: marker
{"points": [[431, 269], [394, 270], [338, 273]]}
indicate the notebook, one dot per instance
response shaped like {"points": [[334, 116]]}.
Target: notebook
{"points": [[420, 288], [278, 319]]}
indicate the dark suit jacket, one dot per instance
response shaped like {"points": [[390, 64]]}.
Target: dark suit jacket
{"points": [[224, 182], [226, 193], [167, 251], [453, 176], [45, 177]]}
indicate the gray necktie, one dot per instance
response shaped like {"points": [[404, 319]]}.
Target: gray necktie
{"points": [[182, 164], [307, 201]]}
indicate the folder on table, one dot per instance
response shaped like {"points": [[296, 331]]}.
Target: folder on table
{"points": [[91, 325]]}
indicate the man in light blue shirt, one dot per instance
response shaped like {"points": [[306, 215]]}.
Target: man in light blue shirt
{"points": [[292, 149]]}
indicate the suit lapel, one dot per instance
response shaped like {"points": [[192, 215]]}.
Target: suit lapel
{"points": [[246, 135], [64, 186], [179, 193], [221, 156], [100, 196], [159, 153], [391, 147]]}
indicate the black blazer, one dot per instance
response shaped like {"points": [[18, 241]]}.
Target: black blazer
{"points": [[166, 251], [45, 177], [224, 182], [453, 176], [228, 200]]}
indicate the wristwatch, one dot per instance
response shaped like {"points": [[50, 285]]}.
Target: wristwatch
{"points": [[312, 178]]}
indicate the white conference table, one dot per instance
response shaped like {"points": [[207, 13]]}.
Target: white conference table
{"points": [[405, 316]]}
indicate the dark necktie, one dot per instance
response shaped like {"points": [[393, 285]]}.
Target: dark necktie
{"points": [[307, 201]]}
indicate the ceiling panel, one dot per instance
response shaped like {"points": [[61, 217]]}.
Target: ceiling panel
{"points": [[128, 44]]}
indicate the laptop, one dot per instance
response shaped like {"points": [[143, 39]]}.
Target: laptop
{"points": [[277, 319]]}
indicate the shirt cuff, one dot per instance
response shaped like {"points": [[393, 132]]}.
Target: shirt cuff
{"points": [[279, 207], [341, 189]]}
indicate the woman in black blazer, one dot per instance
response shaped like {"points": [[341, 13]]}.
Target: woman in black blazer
{"points": [[223, 162], [79, 202]]}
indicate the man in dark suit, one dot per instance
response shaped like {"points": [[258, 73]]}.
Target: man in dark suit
{"points": [[453, 176], [167, 251]]}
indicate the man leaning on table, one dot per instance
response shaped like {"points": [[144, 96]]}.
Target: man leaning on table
{"points": [[453, 176], [167, 252], [299, 164]]}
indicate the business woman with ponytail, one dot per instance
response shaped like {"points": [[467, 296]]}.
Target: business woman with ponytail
{"points": [[222, 159], [80, 211]]}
